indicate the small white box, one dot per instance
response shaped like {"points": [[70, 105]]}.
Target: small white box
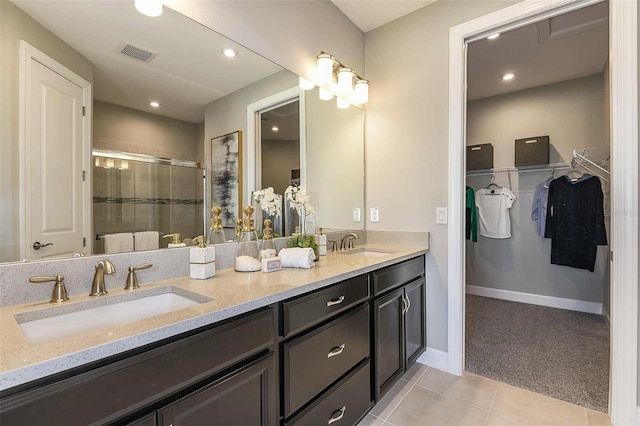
{"points": [[202, 271], [271, 264], [202, 255]]}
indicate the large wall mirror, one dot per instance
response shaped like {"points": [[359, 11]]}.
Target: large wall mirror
{"points": [[146, 174]]}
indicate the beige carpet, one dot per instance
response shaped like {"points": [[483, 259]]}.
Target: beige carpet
{"points": [[559, 353]]}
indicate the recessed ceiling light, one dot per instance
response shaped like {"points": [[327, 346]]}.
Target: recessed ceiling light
{"points": [[154, 104], [508, 76], [493, 36], [152, 8], [229, 52], [275, 128]]}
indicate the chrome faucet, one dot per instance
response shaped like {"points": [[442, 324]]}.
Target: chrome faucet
{"points": [[347, 241], [98, 287]]}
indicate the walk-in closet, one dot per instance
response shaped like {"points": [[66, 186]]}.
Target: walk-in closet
{"points": [[537, 204]]}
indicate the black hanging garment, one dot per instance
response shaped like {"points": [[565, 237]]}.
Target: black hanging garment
{"points": [[575, 221]]}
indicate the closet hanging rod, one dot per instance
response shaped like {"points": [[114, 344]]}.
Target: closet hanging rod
{"points": [[524, 169]]}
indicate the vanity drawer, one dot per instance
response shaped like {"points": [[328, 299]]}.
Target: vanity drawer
{"points": [[308, 310], [396, 275], [343, 405], [315, 360]]}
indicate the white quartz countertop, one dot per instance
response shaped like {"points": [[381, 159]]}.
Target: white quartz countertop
{"points": [[233, 293]]}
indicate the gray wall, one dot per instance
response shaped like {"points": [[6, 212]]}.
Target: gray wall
{"points": [[124, 129], [15, 25], [406, 150], [279, 157], [572, 114]]}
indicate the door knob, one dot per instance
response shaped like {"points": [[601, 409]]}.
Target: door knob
{"points": [[37, 245]]}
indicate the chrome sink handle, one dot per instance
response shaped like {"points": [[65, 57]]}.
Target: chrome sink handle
{"points": [[132, 278], [59, 290]]}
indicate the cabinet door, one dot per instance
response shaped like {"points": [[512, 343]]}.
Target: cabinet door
{"points": [[244, 397], [414, 321], [389, 341]]}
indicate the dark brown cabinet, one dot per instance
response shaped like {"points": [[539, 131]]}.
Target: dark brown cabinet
{"points": [[245, 397], [318, 358], [399, 322], [136, 385]]}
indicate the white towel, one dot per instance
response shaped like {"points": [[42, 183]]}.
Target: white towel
{"points": [[147, 240], [118, 243], [297, 257]]}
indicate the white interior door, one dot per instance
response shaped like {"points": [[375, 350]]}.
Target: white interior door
{"points": [[55, 151]]}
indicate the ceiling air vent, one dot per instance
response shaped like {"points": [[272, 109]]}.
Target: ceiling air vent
{"points": [[137, 52]]}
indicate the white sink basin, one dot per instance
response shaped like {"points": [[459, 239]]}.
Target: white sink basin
{"points": [[52, 324], [368, 252]]}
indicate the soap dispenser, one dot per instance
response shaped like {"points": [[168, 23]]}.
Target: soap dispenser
{"points": [[202, 260], [216, 233], [176, 240]]}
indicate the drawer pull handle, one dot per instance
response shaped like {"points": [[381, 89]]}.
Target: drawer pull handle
{"points": [[340, 415], [336, 351], [336, 301]]}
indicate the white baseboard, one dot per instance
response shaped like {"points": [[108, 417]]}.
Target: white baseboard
{"points": [[434, 358], [537, 299]]}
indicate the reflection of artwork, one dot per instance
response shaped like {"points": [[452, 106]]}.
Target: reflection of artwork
{"points": [[226, 176], [295, 177]]}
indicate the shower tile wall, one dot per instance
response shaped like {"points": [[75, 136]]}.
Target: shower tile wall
{"points": [[147, 197]]}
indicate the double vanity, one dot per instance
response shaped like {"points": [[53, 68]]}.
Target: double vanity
{"points": [[317, 346]]}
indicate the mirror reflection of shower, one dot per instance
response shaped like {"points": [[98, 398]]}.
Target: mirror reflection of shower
{"points": [[144, 195]]}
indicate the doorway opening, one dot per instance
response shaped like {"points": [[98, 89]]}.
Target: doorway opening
{"points": [[536, 309], [624, 159]]}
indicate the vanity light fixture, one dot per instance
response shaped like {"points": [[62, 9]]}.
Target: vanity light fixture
{"points": [[305, 84], [333, 78], [229, 52], [508, 76], [324, 68], [362, 91], [345, 81], [151, 8], [342, 104], [493, 36], [154, 104], [324, 94]]}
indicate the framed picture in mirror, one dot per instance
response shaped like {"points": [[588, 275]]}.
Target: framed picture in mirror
{"points": [[226, 176]]}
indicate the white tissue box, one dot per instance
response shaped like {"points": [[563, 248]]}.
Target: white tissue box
{"points": [[202, 255], [271, 264], [202, 271]]}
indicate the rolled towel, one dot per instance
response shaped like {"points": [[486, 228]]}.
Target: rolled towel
{"points": [[297, 257]]}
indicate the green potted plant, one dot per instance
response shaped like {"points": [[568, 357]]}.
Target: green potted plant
{"points": [[304, 241]]}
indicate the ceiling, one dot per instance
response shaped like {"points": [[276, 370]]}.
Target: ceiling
{"points": [[370, 14], [561, 48], [184, 77], [286, 118], [188, 72]]}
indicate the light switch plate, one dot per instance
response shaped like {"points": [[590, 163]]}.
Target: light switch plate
{"points": [[441, 215], [356, 214], [375, 214]]}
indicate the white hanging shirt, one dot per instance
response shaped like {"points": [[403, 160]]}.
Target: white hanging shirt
{"points": [[493, 212]]}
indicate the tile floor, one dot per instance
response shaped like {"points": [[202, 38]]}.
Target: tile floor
{"points": [[427, 396]]}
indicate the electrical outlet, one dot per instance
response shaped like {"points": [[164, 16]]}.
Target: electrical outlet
{"points": [[375, 214], [356, 214]]}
